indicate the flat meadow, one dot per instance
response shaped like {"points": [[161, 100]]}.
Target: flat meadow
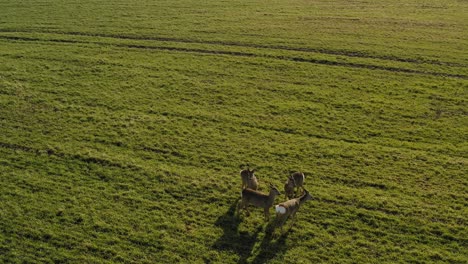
{"points": [[124, 124]]}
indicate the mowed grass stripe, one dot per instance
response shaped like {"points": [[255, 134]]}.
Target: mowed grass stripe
{"points": [[206, 117], [248, 54], [358, 54]]}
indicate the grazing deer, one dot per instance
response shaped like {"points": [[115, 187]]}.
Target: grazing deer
{"points": [[289, 209], [258, 199], [248, 179], [294, 180]]}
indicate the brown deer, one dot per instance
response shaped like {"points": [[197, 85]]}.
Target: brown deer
{"points": [[294, 180], [289, 187], [248, 179], [258, 199], [289, 209]]}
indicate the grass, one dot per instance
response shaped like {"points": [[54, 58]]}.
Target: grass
{"points": [[123, 126]]}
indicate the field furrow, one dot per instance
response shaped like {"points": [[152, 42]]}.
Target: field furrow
{"points": [[255, 53]]}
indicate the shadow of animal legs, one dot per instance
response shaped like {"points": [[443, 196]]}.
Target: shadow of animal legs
{"points": [[268, 249], [231, 240]]}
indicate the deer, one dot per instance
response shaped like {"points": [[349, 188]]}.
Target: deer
{"points": [[258, 199], [289, 187], [294, 180], [248, 179], [289, 209]]}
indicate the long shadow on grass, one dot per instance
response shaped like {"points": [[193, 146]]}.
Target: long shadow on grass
{"points": [[269, 249], [240, 243]]}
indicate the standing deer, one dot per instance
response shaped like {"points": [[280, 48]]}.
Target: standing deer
{"points": [[289, 187], [248, 179], [289, 209], [258, 199], [294, 180]]}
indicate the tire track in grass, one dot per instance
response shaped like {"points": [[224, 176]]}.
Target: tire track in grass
{"points": [[364, 206], [355, 54], [373, 224], [79, 157], [294, 132], [245, 54], [289, 131], [357, 183], [421, 226], [395, 212]]}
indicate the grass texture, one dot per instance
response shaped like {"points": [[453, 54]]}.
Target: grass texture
{"points": [[123, 125]]}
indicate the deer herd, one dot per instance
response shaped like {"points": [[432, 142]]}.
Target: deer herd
{"points": [[284, 210]]}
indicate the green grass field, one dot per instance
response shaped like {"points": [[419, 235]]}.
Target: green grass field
{"points": [[123, 125]]}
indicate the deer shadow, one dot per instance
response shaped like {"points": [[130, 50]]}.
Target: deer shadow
{"points": [[232, 240], [270, 248]]}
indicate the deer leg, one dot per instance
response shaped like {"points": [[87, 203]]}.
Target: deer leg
{"points": [[267, 214], [243, 205], [275, 223], [293, 219], [282, 223]]}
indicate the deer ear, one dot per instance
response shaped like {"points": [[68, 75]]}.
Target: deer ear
{"points": [[252, 171]]}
